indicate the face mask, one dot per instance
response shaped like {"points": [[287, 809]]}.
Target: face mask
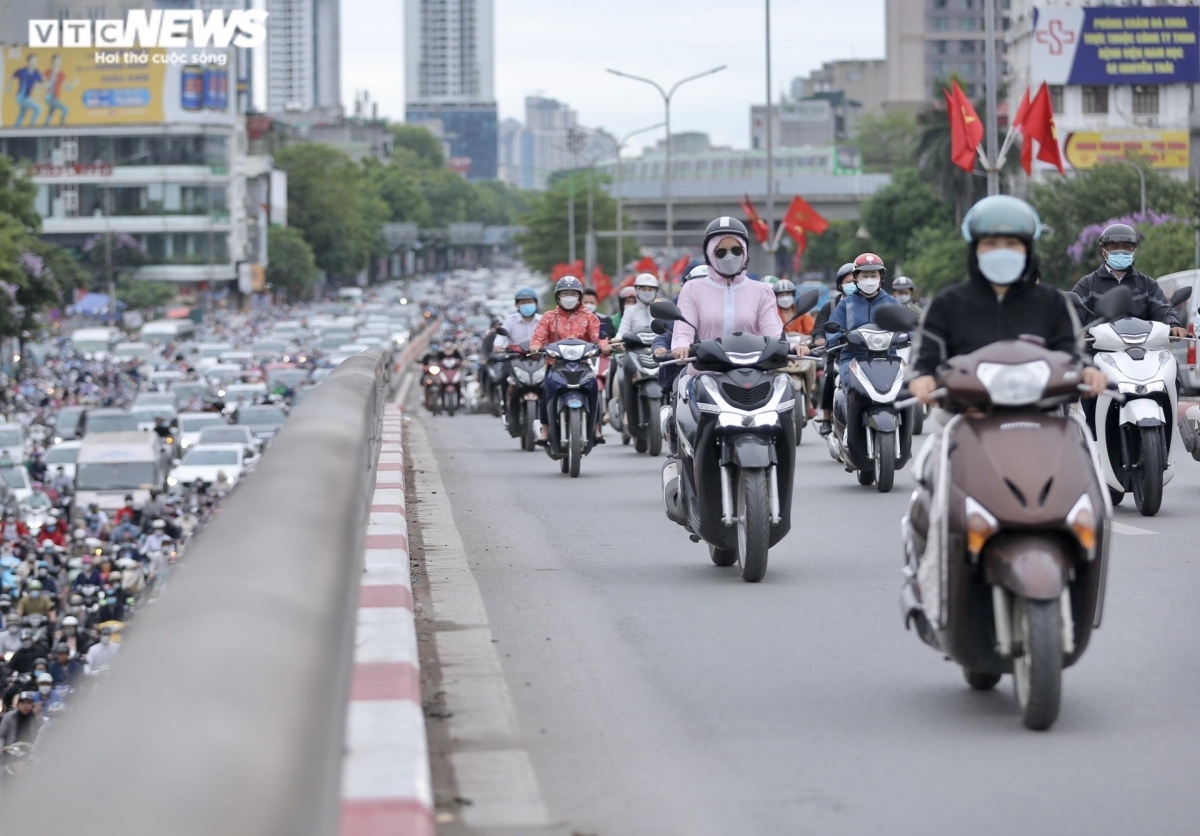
{"points": [[528, 309], [1120, 260], [45, 690], [590, 307], [869, 287], [647, 296], [569, 303], [105, 639], [903, 298], [730, 265], [1002, 267], [35, 593], [849, 288], [785, 301]]}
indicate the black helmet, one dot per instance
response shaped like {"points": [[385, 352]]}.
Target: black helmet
{"points": [[1002, 215], [1119, 234], [725, 225], [844, 271], [902, 283], [568, 283]]}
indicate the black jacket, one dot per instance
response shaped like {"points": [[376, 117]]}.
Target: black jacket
{"points": [[969, 316], [1149, 301]]}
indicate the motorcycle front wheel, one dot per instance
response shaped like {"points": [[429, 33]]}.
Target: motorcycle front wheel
{"points": [[1148, 481], [1037, 672], [918, 414], [434, 403], [753, 523], [650, 408], [527, 431], [800, 413], [496, 399], [885, 461], [575, 443]]}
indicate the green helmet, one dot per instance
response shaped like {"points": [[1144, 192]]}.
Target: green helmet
{"points": [[1001, 215], [770, 281]]}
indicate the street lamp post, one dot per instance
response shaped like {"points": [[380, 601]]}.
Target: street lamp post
{"points": [[770, 147], [666, 97], [992, 132], [1141, 176]]}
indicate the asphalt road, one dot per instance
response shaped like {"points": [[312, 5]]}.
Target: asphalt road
{"points": [[659, 694]]}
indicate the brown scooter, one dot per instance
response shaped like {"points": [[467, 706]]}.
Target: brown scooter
{"points": [[1006, 538]]}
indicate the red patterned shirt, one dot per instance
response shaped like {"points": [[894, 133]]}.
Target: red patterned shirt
{"points": [[557, 324]]}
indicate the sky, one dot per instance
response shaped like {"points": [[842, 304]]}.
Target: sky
{"points": [[561, 48]]}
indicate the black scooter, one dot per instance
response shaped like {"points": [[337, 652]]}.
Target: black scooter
{"points": [[526, 374], [732, 483], [571, 391], [642, 394]]}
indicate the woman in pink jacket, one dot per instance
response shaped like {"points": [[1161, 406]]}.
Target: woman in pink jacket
{"points": [[725, 301]]}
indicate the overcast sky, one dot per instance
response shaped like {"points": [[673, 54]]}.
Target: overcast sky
{"points": [[561, 49]]}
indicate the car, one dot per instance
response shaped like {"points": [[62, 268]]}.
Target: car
{"points": [[186, 390], [229, 434], [135, 351], [68, 424], [263, 421], [12, 442], [223, 374], [1185, 351], [165, 379], [63, 454], [169, 398], [109, 420], [249, 393], [18, 481], [147, 414], [237, 358], [211, 464], [193, 424], [270, 350]]}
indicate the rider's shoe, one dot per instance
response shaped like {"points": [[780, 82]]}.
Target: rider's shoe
{"points": [[824, 427]]}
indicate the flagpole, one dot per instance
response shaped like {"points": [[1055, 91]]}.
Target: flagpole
{"points": [[992, 129], [778, 239]]}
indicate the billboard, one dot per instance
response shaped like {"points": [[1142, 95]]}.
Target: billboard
{"points": [[1161, 149], [86, 87], [1115, 45]]}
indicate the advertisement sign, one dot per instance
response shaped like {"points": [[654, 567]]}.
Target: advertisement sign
{"points": [[1161, 149], [88, 87], [1115, 45]]}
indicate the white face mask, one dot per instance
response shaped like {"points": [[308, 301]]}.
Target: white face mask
{"points": [[868, 287], [647, 295], [568, 301], [1003, 266], [590, 307], [785, 301]]}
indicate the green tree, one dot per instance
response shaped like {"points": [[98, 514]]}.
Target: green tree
{"points": [[291, 264], [546, 243], [886, 141], [400, 186], [1093, 196], [893, 214], [830, 250], [144, 296], [423, 144], [1167, 248], [939, 259], [337, 207]]}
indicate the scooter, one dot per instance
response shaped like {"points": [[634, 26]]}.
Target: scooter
{"points": [[570, 388], [803, 371], [1134, 436], [920, 411], [871, 436], [492, 375], [527, 372], [641, 411], [431, 383], [451, 381], [732, 483], [1006, 536]]}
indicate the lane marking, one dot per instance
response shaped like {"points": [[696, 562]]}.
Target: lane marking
{"points": [[1122, 528]]}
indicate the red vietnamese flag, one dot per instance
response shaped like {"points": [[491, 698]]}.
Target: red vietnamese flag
{"points": [[602, 283], [575, 269], [647, 265], [966, 131], [757, 225], [1018, 126], [1038, 124], [678, 267], [802, 216]]}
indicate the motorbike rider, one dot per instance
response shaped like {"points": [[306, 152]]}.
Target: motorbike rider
{"points": [[591, 303], [902, 289], [636, 318], [844, 285], [1118, 249], [1001, 300], [569, 321], [520, 324], [22, 724], [785, 301], [626, 298], [102, 654]]}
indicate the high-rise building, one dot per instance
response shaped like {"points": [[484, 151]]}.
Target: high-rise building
{"points": [[303, 56], [930, 40], [862, 81], [449, 65]]}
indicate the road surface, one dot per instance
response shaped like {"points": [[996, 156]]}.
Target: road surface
{"points": [[658, 694]]}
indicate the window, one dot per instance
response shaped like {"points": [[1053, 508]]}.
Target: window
{"points": [[1145, 99], [967, 5], [966, 47], [940, 47], [1095, 99], [1056, 97], [939, 4], [970, 24], [941, 24]]}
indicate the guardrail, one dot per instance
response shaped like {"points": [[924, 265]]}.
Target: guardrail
{"points": [[225, 710]]}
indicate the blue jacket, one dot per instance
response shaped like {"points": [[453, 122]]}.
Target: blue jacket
{"points": [[852, 312]]}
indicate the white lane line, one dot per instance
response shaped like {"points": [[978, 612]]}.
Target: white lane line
{"points": [[1122, 528], [492, 770]]}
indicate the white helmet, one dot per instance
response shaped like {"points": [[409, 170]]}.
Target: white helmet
{"points": [[646, 280]]}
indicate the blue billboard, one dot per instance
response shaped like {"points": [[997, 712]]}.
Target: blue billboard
{"points": [[1115, 45]]}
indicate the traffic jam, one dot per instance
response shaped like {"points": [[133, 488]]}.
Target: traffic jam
{"points": [[117, 445]]}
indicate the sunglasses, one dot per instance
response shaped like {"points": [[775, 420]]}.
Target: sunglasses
{"points": [[722, 252]]}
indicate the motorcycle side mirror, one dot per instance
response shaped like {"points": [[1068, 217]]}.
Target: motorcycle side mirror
{"points": [[1080, 308], [806, 301], [833, 328], [896, 318], [658, 326], [502, 331], [666, 310], [1115, 304], [1180, 296]]}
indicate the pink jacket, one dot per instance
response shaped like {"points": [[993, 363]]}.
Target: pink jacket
{"points": [[719, 307]]}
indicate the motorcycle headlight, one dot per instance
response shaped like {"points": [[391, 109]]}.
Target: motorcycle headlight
{"points": [[539, 375], [877, 340], [980, 526], [435, 369], [1014, 385], [172, 481], [1127, 387], [186, 443], [521, 375]]}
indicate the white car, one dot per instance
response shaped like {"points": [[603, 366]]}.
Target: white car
{"points": [[211, 464], [12, 442], [192, 424], [147, 413], [18, 481], [62, 455]]}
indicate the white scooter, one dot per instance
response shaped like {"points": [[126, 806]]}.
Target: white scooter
{"points": [[1133, 430]]}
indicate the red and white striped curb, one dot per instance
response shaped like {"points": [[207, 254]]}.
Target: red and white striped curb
{"points": [[386, 786]]}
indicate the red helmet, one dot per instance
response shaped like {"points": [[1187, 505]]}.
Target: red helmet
{"points": [[869, 261]]}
